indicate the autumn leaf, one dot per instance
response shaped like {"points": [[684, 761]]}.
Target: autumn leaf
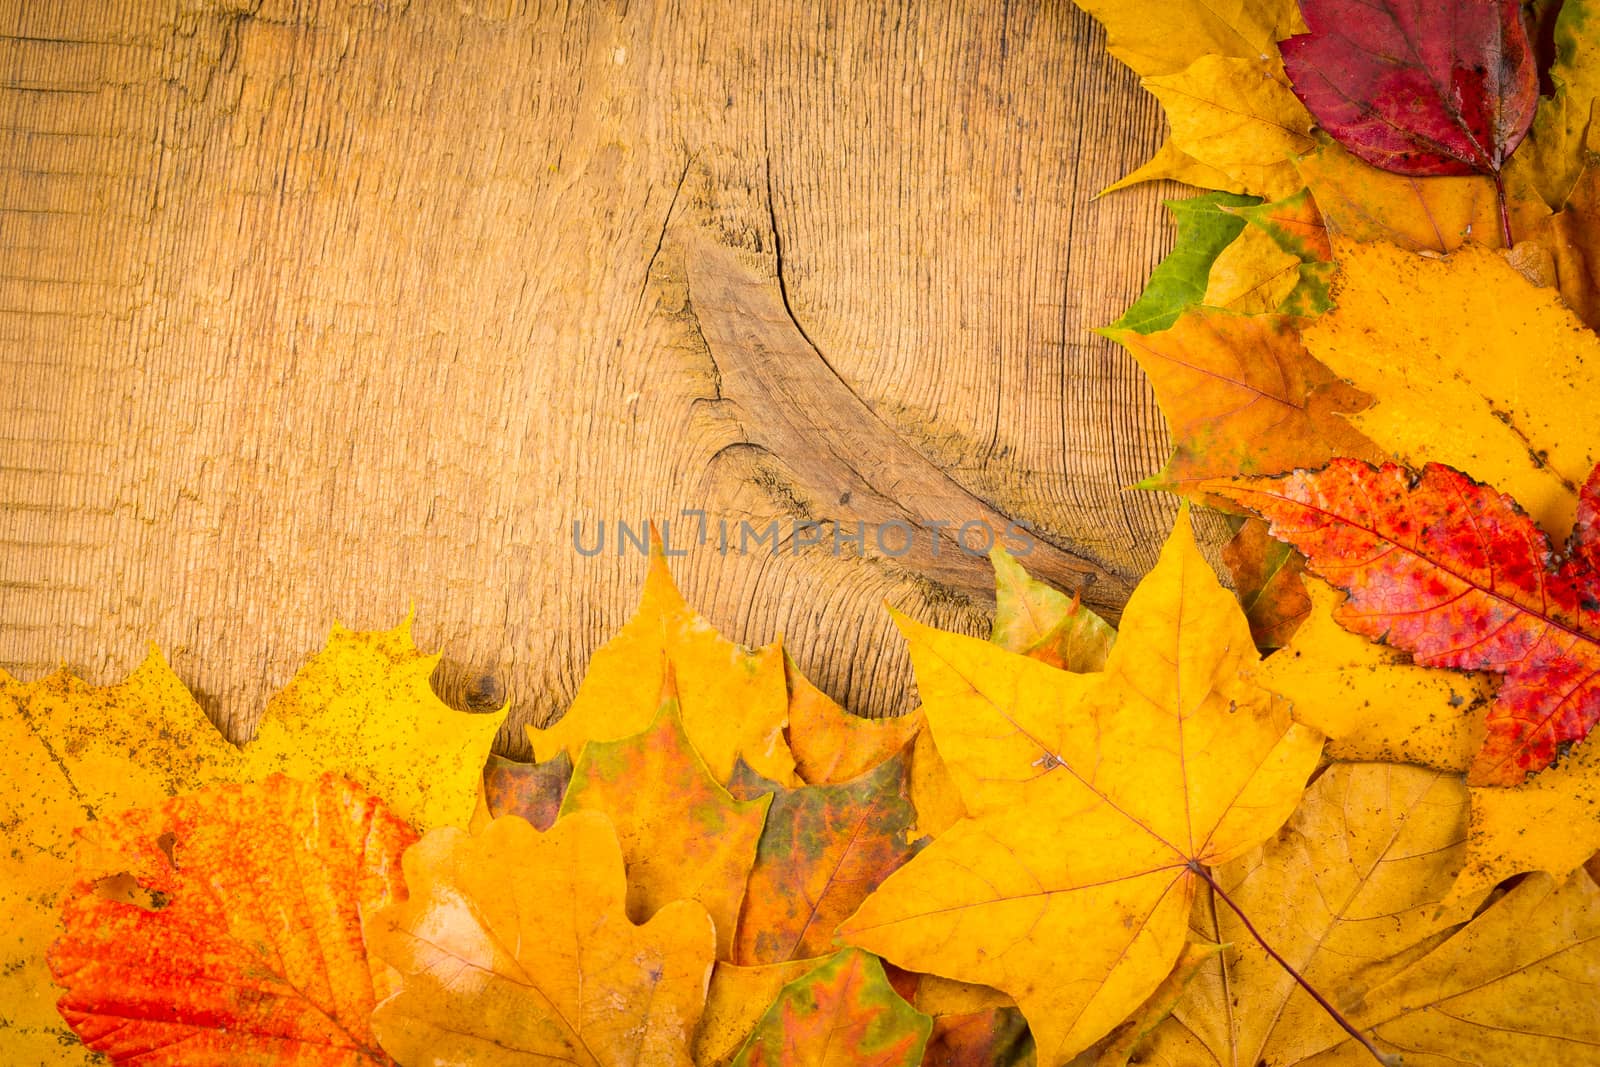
{"points": [[1234, 115], [1091, 795], [1572, 238], [1165, 39], [1511, 987], [1551, 822], [237, 931], [1369, 700], [1418, 87], [735, 1002], [734, 700], [1268, 579], [1241, 395], [823, 849], [1180, 280], [80, 753], [363, 707], [994, 1037], [514, 947], [830, 745], [1555, 149], [1039, 621], [683, 836], [1459, 576], [1121, 1047], [843, 1012], [1165, 36], [1253, 275], [1295, 226], [1348, 894], [532, 790], [1362, 203], [1499, 387]]}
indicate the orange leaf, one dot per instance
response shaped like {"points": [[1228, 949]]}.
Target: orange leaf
{"points": [[823, 850], [830, 745], [1241, 395], [237, 934], [1268, 578]]}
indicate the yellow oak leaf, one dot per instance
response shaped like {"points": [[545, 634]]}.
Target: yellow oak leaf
{"points": [[1165, 36], [1475, 368], [734, 700], [1551, 822], [1239, 116], [363, 708], [683, 836], [1348, 893], [1093, 797], [79, 753], [514, 947], [830, 745], [1369, 700]]}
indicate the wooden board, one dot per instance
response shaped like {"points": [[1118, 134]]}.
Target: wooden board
{"points": [[322, 310]]}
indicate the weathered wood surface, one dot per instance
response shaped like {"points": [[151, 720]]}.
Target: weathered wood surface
{"points": [[317, 310]]}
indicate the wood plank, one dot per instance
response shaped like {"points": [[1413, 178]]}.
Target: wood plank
{"points": [[321, 310]]}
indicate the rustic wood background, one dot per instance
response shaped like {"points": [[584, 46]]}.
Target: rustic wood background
{"points": [[313, 310]]}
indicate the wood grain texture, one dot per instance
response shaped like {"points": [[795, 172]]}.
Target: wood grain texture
{"points": [[317, 310]]}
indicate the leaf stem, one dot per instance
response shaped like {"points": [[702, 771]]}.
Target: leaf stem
{"points": [[1382, 1057], [1505, 213]]}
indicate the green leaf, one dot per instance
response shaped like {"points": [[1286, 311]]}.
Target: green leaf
{"points": [[1205, 228]]}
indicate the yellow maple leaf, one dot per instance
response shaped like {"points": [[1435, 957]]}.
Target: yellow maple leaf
{"points": [[363, 708], [1165, 36], [77, 753], [514, 947], [1551, 822], [734, 700], [1239, 117], [1091, 796], [1348, 894], [1475, 368], [1369, 700]]}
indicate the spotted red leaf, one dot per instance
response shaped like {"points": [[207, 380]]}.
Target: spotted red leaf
{"points": [[1459, 576], [237, 932], [1417, 87]]}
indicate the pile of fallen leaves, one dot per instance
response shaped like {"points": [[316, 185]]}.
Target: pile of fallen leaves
{"points": [[1147, 845]]}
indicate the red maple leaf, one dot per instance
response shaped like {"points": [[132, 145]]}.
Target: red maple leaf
{"points": [[1418, 87], [1459, 576]]}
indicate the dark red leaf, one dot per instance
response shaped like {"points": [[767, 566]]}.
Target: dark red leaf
{"points": [[1419, 87], [1459, 576]]}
